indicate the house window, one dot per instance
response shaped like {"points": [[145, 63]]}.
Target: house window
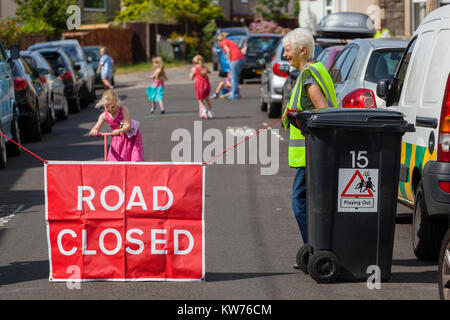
{"points": [[95, 5], [328, 6], [418, 13]]}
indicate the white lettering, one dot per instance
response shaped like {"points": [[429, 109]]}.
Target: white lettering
{"points": [[135, 241], [156, 206], [102, 241], [119, 202], [141, 203], [84, 245], [87, 199], [157, 241], [176, 233], [59, 241]]}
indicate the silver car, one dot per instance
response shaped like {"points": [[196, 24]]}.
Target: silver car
{"points": [[358, 68], [272, 81]]}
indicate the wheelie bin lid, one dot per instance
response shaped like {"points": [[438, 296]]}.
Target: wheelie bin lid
{"points": [[374, 120]]}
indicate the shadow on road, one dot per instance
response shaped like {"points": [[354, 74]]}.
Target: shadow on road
{"points": [[230, 276], [23, 271]]}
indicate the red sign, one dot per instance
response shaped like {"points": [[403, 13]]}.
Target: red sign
{"points": [[125, 221]]}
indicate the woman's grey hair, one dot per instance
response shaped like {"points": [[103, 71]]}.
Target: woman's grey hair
{"points": [[299, 38]]}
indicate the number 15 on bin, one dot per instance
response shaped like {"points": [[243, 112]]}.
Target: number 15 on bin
{"points": [[358, 186]]}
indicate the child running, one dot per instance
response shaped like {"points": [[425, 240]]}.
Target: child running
{"points": [[126, 144], [155, 93], [202, 87]]}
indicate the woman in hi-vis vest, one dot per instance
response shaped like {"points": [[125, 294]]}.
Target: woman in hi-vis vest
{"points": [[314, 89]]}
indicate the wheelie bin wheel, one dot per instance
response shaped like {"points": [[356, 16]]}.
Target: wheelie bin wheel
{"points": [[323, 267], [302, 258]]}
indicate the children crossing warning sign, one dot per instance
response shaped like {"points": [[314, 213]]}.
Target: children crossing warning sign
{"points": [[358, 190]]}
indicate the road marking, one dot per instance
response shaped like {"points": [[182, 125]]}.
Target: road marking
{"points": [[11, 211], [275, 133]]}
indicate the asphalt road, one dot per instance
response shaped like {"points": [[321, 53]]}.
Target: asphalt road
{"points": [[251, 234]]}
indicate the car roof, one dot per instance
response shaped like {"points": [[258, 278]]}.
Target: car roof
{"points": [[438, 14], [259, 35], [233, 29], [92, 47], [53, 44], [381, 43]]}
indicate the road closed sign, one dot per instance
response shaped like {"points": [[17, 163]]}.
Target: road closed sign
{"points": [[125, 221], [358, 190]]}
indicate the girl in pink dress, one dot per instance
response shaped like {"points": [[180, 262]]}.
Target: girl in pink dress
{"points": [[126, 144], [202, 87]]}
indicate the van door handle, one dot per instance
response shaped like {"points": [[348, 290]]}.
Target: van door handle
{"points": [[426, 122]]}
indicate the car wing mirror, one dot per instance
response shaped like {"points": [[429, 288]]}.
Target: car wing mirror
{"points": [[77, 67], [15, 52], [383, 89]]}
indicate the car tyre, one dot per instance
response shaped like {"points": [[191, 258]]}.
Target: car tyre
{"points": [[274, 110], [12, 148], [444, 268], [47, 125], [427, 232], [323, 267], [64, 113], [35, 126], [263, 104], [75, 106], [3, 152]]}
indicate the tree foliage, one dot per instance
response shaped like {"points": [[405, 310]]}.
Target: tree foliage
{"points": [[271, 9], [178, 11], [48, 16]]}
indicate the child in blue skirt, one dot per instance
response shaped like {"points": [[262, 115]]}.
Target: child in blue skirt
{"points": [[155, 93]]}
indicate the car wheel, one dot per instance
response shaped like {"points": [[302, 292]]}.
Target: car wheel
{"points": [[274, 110], [262, 103], [47, 125], [427, 232], [64, 113], [74, 106], [93, 95], [444, 268], [3, 154], [35, 132], [12, 148]]}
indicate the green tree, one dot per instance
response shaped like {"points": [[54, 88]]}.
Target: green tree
{"points": [[271, 9], [178, 11], [48, 15]]}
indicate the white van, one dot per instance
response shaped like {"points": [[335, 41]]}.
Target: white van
{"points": [[421, 90]]}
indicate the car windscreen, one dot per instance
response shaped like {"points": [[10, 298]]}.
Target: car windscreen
{"points": [[257, 45], [93, 53], [382, 65], [74, 53]]}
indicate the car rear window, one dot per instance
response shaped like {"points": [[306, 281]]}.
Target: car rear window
{"points": [[261, 44], [74, 53], [55, 60], [17, 69], [93, 53], [382, 65]]}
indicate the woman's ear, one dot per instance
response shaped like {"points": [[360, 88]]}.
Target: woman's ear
{"points": [[304, 51]]}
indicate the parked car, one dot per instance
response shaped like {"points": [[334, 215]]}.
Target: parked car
{"points": [[66, 69], [51, 81], [359, 66], [319, 46], [27, 101], [93, 55], [272, 81], [9, 112], [420, 89], [258, 45], [328, 55], [76, 53], [223, 62], [231, 31], [345, 25]]}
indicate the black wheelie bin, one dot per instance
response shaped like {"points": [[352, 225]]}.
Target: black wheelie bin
{"points": [[352, 172]]}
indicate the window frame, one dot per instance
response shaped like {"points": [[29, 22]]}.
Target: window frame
{"points": [[105, 8]]}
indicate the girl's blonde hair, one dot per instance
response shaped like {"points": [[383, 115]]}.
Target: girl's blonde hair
{"points": [[162, 74], [109, 97], [198, 60]]}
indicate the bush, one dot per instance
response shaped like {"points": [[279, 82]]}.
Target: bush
{"points": [[264, 26], [10, 32]]}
